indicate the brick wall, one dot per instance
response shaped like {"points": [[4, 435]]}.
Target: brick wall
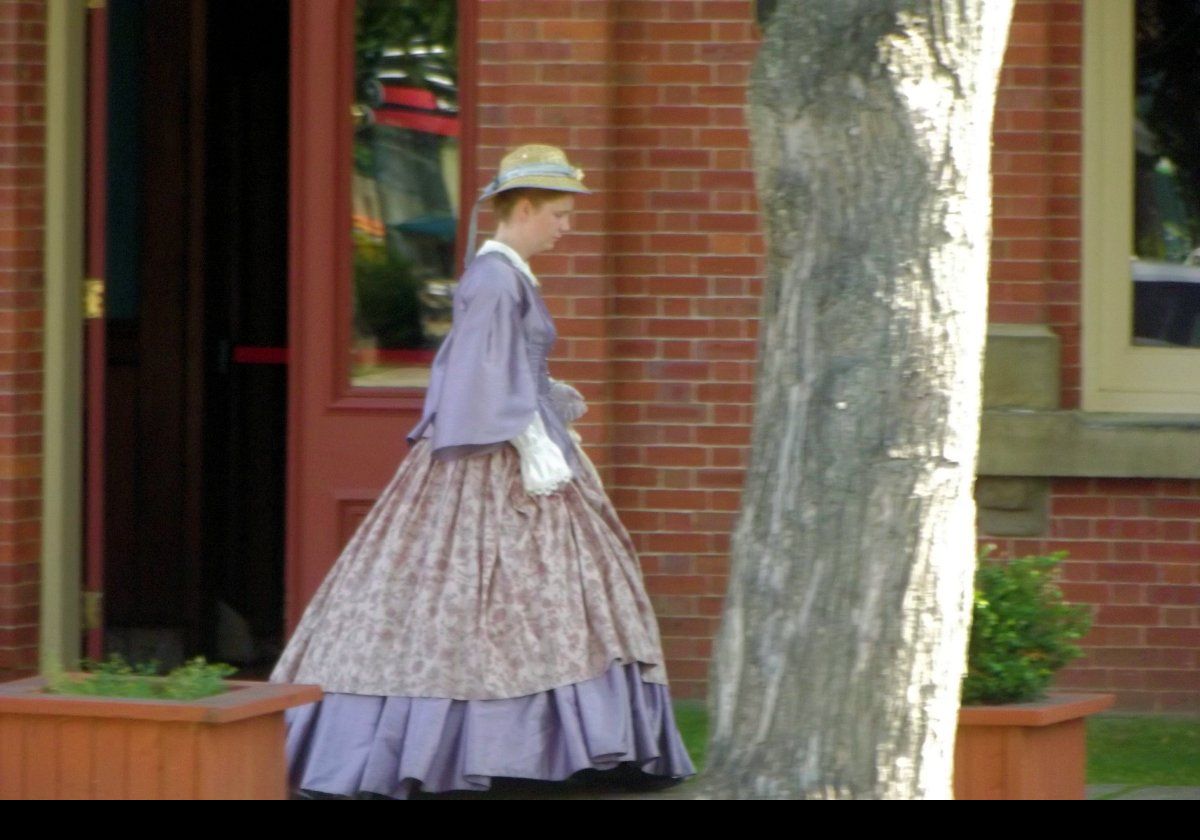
{"points": [[1036, 169], [22, 140]]}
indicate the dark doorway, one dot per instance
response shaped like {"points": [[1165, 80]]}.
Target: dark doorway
{"points": [[197, 326]]}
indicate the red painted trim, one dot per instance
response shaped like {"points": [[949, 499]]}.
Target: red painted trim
{"points": [[301, 68], [468, 118], [343, 144], [244, 355], [94, 328], [406, 357]]}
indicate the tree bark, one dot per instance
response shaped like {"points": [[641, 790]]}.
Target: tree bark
{"points": [[842, 645]]}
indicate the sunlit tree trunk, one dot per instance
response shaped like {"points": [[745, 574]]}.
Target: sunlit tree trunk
{"points": [[841, 649]]}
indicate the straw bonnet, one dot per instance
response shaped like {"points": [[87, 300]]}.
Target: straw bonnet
{"points": [[538, 167], [535, 166]]}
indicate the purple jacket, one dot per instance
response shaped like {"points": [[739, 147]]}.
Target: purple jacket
{"points": [[490, 375]]}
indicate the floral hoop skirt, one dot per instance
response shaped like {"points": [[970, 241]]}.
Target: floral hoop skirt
{"points": [[470, 631]]}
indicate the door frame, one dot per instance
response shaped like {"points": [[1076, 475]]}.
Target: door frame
{"points": [[64, 265]]}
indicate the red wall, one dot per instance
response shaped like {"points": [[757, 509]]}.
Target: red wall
{"points": [[22, 149]]}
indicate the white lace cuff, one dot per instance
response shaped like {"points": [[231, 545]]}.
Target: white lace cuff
{"points": [[543, 467]]}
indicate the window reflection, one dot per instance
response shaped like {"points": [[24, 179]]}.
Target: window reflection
{"points": [[1166, 268], [404, 188]]}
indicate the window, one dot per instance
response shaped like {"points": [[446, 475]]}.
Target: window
{"points": [[404, 188], [1141, 210]]}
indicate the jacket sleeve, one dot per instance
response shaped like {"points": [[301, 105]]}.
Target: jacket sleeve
{"points": [[566, 402], [484, 392]]}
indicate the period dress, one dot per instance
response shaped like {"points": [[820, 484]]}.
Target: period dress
{"points": [[472, 629]]}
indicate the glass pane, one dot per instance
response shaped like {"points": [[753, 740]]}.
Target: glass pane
{"points": [[1166, 134], [404, 188]]}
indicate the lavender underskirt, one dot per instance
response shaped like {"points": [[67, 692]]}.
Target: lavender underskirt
{"points": [[354, 743]]}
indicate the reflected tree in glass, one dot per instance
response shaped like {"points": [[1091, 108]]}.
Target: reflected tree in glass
{"points": [[1166, 267], [405, 179]]}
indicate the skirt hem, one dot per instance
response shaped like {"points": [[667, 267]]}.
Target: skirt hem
{"points": [[392, 746]]}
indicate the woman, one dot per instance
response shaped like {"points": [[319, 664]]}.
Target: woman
{"points": [[488, 618]]}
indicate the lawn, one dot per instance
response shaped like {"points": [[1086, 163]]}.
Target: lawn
{"points": [[691, 716], [1141, 750]]}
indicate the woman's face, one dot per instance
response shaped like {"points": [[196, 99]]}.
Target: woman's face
{"points": [[545, 224]]}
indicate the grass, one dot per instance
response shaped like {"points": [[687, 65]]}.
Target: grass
{"points": [[1135, 751], [1143, 750], [691, 716]]}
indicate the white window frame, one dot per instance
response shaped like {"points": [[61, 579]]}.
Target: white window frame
{"points": [[1118, 376]]}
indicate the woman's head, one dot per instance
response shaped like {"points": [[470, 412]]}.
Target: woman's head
{"points": [[532, 220], [504, 203], [532, 197], [536, 166]]}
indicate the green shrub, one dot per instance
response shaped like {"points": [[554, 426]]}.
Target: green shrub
{"points": [[387, 294], [114, 677], [1022, 630]]}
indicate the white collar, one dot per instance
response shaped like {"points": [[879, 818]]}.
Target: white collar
{"points": [[513, 256]]}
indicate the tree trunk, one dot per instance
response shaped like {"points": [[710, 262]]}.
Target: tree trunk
{"points": [[841, 649]]}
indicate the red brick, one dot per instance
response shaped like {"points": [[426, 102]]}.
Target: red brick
{"points": [[1080, 506], [1173, 636], [676, 456], [1174, 701], [1084, 678], [1127, 572], [1114, 615], [1175, 508], [1178, 616], [1092, 593], [1178, 595], [1129, 507], [1173, 551], [727, 435], [1127, 593], [1178, 531], [1099, 636], [1179, 680], [675, 499], [674, 542]]}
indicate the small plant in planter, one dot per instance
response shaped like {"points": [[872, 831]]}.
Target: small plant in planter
{"points": [[114, 677], [1022, 631], [1023, 744]]}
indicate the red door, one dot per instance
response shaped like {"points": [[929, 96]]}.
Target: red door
{"points": [[344, 441]]}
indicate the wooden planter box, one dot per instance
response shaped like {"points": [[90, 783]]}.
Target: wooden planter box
{"points": [[230, 746], [1025, 750]]}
